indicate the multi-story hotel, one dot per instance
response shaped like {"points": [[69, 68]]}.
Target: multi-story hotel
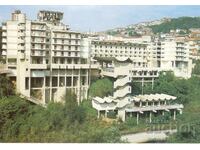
{"points": [[165, 54], [44, 56]]}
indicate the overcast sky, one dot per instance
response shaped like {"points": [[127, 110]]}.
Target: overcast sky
{"points": [[98, 18]]}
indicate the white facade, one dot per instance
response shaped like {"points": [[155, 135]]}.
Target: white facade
{"points": [[44, 56], [123, 102], [166, 54]]}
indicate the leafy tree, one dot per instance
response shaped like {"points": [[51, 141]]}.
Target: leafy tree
{"points": [[25, 122], [196, 69], [6, 86], [102, 87]]}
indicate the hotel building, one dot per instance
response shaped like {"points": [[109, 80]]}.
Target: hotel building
{"points": [[44, 57]]}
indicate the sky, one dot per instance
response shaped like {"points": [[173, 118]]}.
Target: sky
{"points": [[95, 18]]}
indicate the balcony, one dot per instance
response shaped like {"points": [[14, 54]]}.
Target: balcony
{"points": [[21, 27], [4, 40], [37, 28], [38, 66], [39, 73], [38, 35], [4, 46], [37, 54], [20, 41], [21, 34], [4, 34], [22, 56], [21, 47], [3, 53], [70, 66], [38, 48], [38, 41], [4, 27]]}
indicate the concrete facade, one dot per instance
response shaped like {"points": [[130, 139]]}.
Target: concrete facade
{"points": [[166, 54], [45, 57]]}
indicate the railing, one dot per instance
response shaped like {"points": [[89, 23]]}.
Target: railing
{"points": [[3, 67], [108, 69], [122, 81], [119, 93]]}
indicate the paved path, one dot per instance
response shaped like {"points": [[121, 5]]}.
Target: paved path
{"points": [[147, 136]]}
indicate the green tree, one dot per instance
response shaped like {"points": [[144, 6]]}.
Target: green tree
{"points": [[6, 86], [196, 69], [102, 87]]}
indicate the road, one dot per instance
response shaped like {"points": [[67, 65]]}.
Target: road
{"points": [[147, 136]]}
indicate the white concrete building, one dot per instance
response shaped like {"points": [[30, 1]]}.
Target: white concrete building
{"points": [[123, 72], [166, 54], [44, 57]]}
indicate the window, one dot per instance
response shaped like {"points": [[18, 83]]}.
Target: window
{"points": [[27, 83], [68, 81], [62, 81], [54, 81]]}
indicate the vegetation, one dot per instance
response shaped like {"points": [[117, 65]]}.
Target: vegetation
{"points": [[102, 87], [21, 121], [187, 92], [177, 23], [196, 70], [6, 86], [112, 32], [24, 122]]}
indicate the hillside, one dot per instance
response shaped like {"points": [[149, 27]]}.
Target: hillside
{"points": [[157, 26], [177, 23]]}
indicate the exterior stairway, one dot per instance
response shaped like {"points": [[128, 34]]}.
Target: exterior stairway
{"points": [[122, 81], [122, 89], [33, 100], [122, 92]]}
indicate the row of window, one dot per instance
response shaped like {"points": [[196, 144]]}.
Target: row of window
{"points": [[121, 47], [106, 51]]}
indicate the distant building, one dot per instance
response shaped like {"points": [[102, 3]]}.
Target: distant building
{"points": [[167, 53]]}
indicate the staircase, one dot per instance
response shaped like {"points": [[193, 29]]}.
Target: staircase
{"points": [[33, 100], [122, 89]]}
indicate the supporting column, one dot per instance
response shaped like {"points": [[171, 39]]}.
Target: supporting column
{"points": [[150, 116], [163, 112], [105, 113], [152, 83], [43, 88], [142, 86], [174, 114], [98, 114], [137, 117], [131, 115]]}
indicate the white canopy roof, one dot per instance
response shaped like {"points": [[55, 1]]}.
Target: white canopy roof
{"points": [[153, 97], [104, 100]]}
